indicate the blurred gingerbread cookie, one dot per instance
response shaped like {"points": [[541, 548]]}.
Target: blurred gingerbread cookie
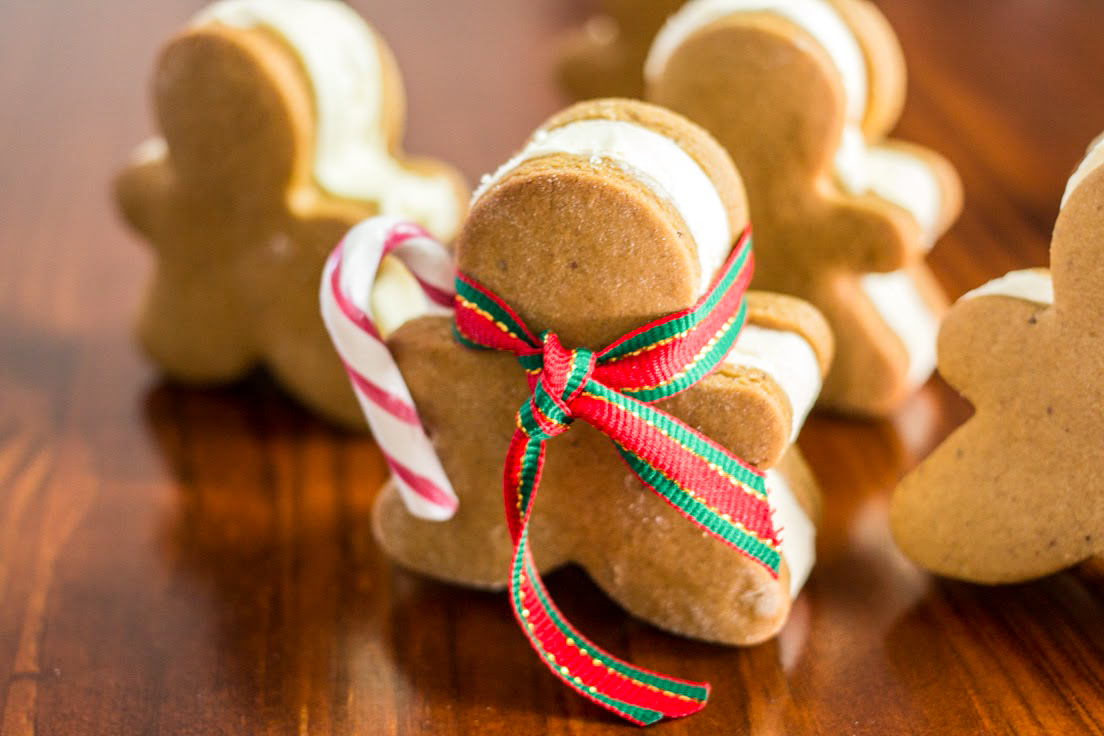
{"points": [[802, 94], [280, 124], [605, 58], [602, 276], [1018, 491]]}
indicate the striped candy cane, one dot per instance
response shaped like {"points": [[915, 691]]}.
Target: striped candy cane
{"points": [[346, 297]]}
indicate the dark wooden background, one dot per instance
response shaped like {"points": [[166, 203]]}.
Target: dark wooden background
{"points": [[199, 562]]}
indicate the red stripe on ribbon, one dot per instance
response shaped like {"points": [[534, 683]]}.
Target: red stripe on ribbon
{"points": [[693, 472], [660, 363], [571, 656]]}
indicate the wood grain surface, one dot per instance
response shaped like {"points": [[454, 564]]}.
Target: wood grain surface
{"points": [[178, 561]]}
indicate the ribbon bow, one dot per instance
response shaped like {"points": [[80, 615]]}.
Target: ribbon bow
{"points": [[612, 391]]}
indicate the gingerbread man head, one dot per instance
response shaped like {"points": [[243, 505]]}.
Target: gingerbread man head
{"points": [[280, 124], [801, 93], [1017, 492]]}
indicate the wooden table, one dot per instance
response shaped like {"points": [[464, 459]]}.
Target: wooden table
{"points": [[179, 561]]}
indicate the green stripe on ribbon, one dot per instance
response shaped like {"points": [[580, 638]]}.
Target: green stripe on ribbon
{"points": [[527, 475], [483, 303], [465, 341], [702, 366], [668, 330], [580, 370], [704, 516], [685, 437]]}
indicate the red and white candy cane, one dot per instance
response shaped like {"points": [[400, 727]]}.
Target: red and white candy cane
{"points": [[347, 287]]}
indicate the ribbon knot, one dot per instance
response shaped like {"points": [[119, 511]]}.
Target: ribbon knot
{"points": [[559, 380], [612, 390]]}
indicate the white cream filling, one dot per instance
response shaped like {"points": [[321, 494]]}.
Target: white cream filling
{"points": [[902, 306], [657, 162], [397, 297], [1092, 161], [798, 544], [790, 362], [891, 174], [1032, 285], [339, 52], [154, 149]]}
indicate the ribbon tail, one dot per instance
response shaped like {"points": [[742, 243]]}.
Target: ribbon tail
{"points": [[524, 466], [638, 695]]}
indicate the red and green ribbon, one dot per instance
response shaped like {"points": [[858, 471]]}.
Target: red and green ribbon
{"points": [[612, 390]]}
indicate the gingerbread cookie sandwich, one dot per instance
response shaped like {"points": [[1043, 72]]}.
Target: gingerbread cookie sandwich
{"points": [[603, 346], [1017, 493], [280, 123], [802, 93]]}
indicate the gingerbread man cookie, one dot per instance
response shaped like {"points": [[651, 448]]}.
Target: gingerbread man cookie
{"points": [[616, 215], [801, 93], [1018, 492], [281, 121], [605, 58]]}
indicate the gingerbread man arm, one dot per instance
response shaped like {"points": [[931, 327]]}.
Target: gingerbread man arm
{"points": [[984, 343], [191, 324], [947, 182], [756, 427], [914, 197], [760, 425], [869, 236], [143, 188], [889, 227]]}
